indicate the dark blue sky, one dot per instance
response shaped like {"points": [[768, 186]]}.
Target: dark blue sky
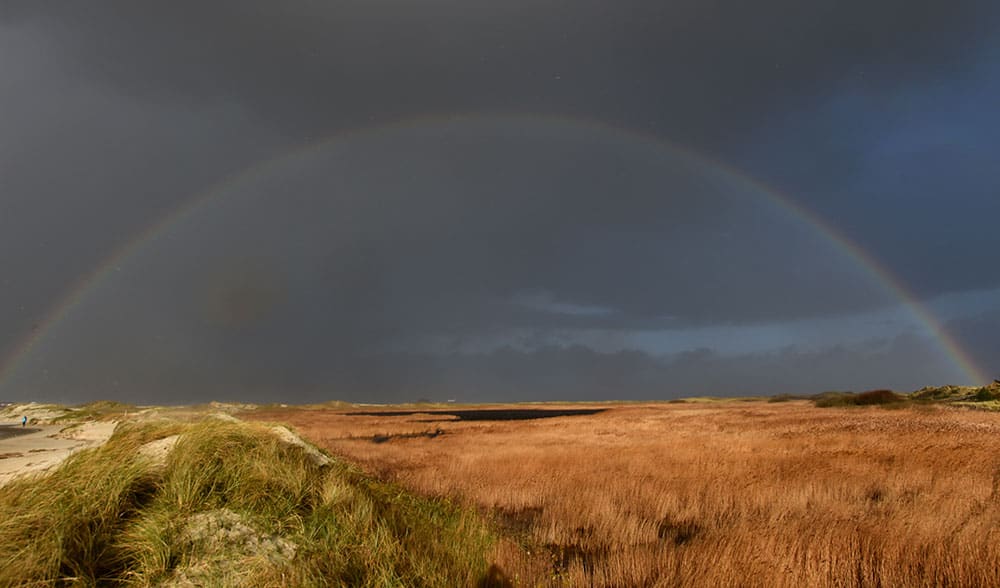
{"points": [[528, 239]]}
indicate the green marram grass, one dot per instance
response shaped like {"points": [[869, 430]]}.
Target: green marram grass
{"points": [[231, 505]]}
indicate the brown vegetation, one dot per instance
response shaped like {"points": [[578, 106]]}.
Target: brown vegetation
{"points": [[758, 494]]}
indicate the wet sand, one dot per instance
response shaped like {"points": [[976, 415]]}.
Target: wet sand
{"points": [[8, 431]]}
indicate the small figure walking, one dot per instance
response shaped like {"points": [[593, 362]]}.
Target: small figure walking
{"points": [[24, 421]]}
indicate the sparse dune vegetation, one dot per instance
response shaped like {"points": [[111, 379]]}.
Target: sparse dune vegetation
{"points": [[227, 504]]}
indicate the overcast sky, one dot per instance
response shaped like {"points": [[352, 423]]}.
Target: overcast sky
{"points": [[481, 200]]}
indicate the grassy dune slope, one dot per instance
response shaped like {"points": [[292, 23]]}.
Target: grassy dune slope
{"points": [[227, 503]]}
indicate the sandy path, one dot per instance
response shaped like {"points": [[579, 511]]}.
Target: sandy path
{"points": [[46, 446]]}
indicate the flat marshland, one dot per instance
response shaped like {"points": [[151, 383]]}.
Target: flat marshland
{"points": [[702, 493]]}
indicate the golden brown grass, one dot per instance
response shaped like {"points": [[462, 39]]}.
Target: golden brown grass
{"points": [[755, 494]]}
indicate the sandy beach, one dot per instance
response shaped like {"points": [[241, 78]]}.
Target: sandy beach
{"points": [[39, 447]]}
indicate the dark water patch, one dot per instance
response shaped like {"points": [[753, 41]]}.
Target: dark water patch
{"points": [[495, 578], [678, 531], [8, 431], [516, 522], [486, 414], [564, 555]]}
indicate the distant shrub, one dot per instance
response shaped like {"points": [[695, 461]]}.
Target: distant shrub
{"points": [[987, 393], [785, 398], [828, 399], [877, 397], [869, 398], [931, 393]]}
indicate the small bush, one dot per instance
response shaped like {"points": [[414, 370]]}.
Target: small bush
{"points": [[869, 398], [829, 399], [785, 398], [877, 397], [987, 393]]}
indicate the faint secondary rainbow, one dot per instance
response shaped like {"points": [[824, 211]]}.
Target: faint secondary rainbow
{"points": [[229, 185]]}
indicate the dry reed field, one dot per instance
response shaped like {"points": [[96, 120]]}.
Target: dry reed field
{"points": [[710, 494]]}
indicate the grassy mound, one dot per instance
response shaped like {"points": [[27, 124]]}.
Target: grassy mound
{"points": [[101, 409], [943, 393], [228, 504], [786, 398], [982, 397]]}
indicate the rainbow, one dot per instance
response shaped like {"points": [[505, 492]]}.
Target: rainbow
{"points": [[230, 185]]}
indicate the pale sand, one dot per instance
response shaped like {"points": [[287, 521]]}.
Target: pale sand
{"points": [[47, 446]]}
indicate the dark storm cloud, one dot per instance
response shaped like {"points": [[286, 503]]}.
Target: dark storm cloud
{"points": [[914, 158], [577, 372], [83, 168], [313, 276], [834, 81], [469, 224], [118, 112], [678, 65], [980, 334], [905, 363]]}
